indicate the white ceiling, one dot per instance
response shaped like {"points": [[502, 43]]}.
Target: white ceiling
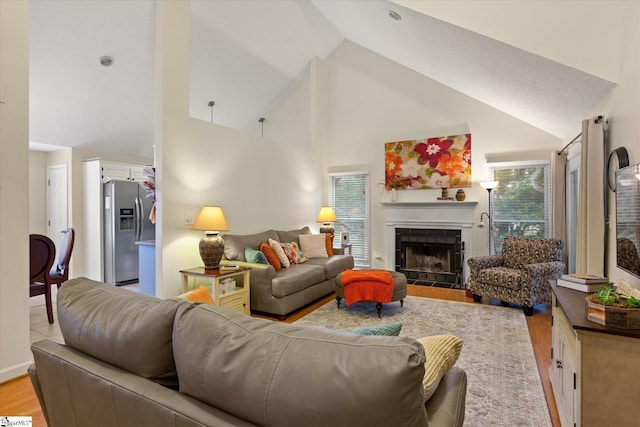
{"points": [[249, 56]]}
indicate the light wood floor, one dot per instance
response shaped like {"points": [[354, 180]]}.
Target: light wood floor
{"points": [[18, 398]]}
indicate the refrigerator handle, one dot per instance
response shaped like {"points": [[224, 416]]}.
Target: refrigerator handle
{"points": [[137, 217], [141, 218]]}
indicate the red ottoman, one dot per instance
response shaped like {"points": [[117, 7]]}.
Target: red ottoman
{"points": [[399, 290]]}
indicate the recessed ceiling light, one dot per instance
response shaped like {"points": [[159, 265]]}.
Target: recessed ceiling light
{"points": [[395, 15], [106, 60]]}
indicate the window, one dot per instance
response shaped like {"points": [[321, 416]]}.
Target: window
{"points": [[521, 203], [349, 197]]}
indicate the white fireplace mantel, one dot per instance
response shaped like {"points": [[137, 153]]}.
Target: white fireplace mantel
{"points": [[448, 215]]}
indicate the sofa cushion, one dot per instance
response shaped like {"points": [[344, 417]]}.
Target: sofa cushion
{"points": [[292, 235], [129, 330], [314, 245], [296, 278], [329, 243], [520, 251], [279, 251], [293, 253], [201, 294], [333, 265], [275, 374], [502, 276], [387, 329], [255, 256], [265, 248], [441, 352], [234, 244]]}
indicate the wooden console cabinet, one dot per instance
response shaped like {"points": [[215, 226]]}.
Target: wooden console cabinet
{"points": [[595, 369]]}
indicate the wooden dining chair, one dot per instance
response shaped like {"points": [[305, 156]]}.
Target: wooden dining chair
{"points": [[60, 271], [42, 252]]}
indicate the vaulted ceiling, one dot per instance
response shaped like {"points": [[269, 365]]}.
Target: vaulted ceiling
{"points": [[541, 62]]}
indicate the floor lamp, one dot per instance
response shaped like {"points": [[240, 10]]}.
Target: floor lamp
{"points": [[489, 185]]}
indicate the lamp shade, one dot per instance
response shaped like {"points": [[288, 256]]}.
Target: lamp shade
{"points": [[489, 185], [326, 215], [210, 218]]}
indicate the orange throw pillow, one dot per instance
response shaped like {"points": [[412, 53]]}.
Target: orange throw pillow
{"points": [[271, 255], [200, 295], [329, 244]]}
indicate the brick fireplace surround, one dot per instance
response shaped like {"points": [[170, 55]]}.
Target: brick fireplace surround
{"points": [[439, 215]]}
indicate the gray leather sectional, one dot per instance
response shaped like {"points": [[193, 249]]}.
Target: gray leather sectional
{"points": [[130, 359]]}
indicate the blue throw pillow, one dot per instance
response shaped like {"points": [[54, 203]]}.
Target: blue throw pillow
{"points": [[389, 329], [255, 256]]}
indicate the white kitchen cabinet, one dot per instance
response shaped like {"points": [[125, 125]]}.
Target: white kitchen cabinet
{"points": [[112, 171]]}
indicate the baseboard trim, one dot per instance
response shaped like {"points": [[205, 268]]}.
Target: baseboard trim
{"points": [[15, 371]]}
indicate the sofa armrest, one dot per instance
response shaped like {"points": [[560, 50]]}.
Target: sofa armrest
{"points": [[447, 405], [35, 381], [251, 265], [481, 262], [261, 274]]}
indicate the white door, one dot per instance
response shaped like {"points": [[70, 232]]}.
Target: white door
{"points": [[56, 203]]}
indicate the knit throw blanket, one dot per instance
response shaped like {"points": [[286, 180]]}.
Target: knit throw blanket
{"points": [[367, 285]]}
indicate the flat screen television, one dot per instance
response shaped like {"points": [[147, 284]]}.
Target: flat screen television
{"points": [[628, 219]]}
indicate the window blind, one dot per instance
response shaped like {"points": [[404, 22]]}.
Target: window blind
{"points": [[521, 203], [349, 197]]}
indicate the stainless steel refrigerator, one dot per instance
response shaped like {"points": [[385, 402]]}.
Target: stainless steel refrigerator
{"points": [[126, 221]]}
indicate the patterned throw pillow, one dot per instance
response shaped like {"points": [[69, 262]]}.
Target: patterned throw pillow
{"points": [[301, 256], [293, 253], [388, 329], [277, 248], [313, 245], [255, 256], [442, 352], [200, 295], [271, 256]]}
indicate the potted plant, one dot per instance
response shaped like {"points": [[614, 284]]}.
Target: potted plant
{"points": [[618, 307]]}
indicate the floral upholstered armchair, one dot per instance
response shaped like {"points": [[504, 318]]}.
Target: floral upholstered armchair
{"points": [[521, 274]]}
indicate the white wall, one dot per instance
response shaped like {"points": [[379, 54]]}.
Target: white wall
{"points": [[15, 355], [622, 108], [259, 183], [372, 100], [38, 192]]}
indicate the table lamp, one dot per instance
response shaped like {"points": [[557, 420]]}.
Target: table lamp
{"points": [[326, 217], [211, 220]]}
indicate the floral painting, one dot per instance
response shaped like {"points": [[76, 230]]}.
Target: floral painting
{"points": [[441, 162]]}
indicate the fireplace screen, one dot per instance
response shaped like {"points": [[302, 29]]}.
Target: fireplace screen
{"points": [[430, 256]]}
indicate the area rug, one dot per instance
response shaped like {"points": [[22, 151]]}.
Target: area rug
{"points": [[504, 387]]}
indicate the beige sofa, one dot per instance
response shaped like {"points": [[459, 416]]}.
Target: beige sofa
{"points": [[287, 290], [135, 360]]}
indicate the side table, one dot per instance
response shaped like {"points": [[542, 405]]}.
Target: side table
{"points": [[343, 249], [238, 300]]}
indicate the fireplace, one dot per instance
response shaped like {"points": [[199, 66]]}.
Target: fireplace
{"points": [[436, 248], [430, 256]]}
